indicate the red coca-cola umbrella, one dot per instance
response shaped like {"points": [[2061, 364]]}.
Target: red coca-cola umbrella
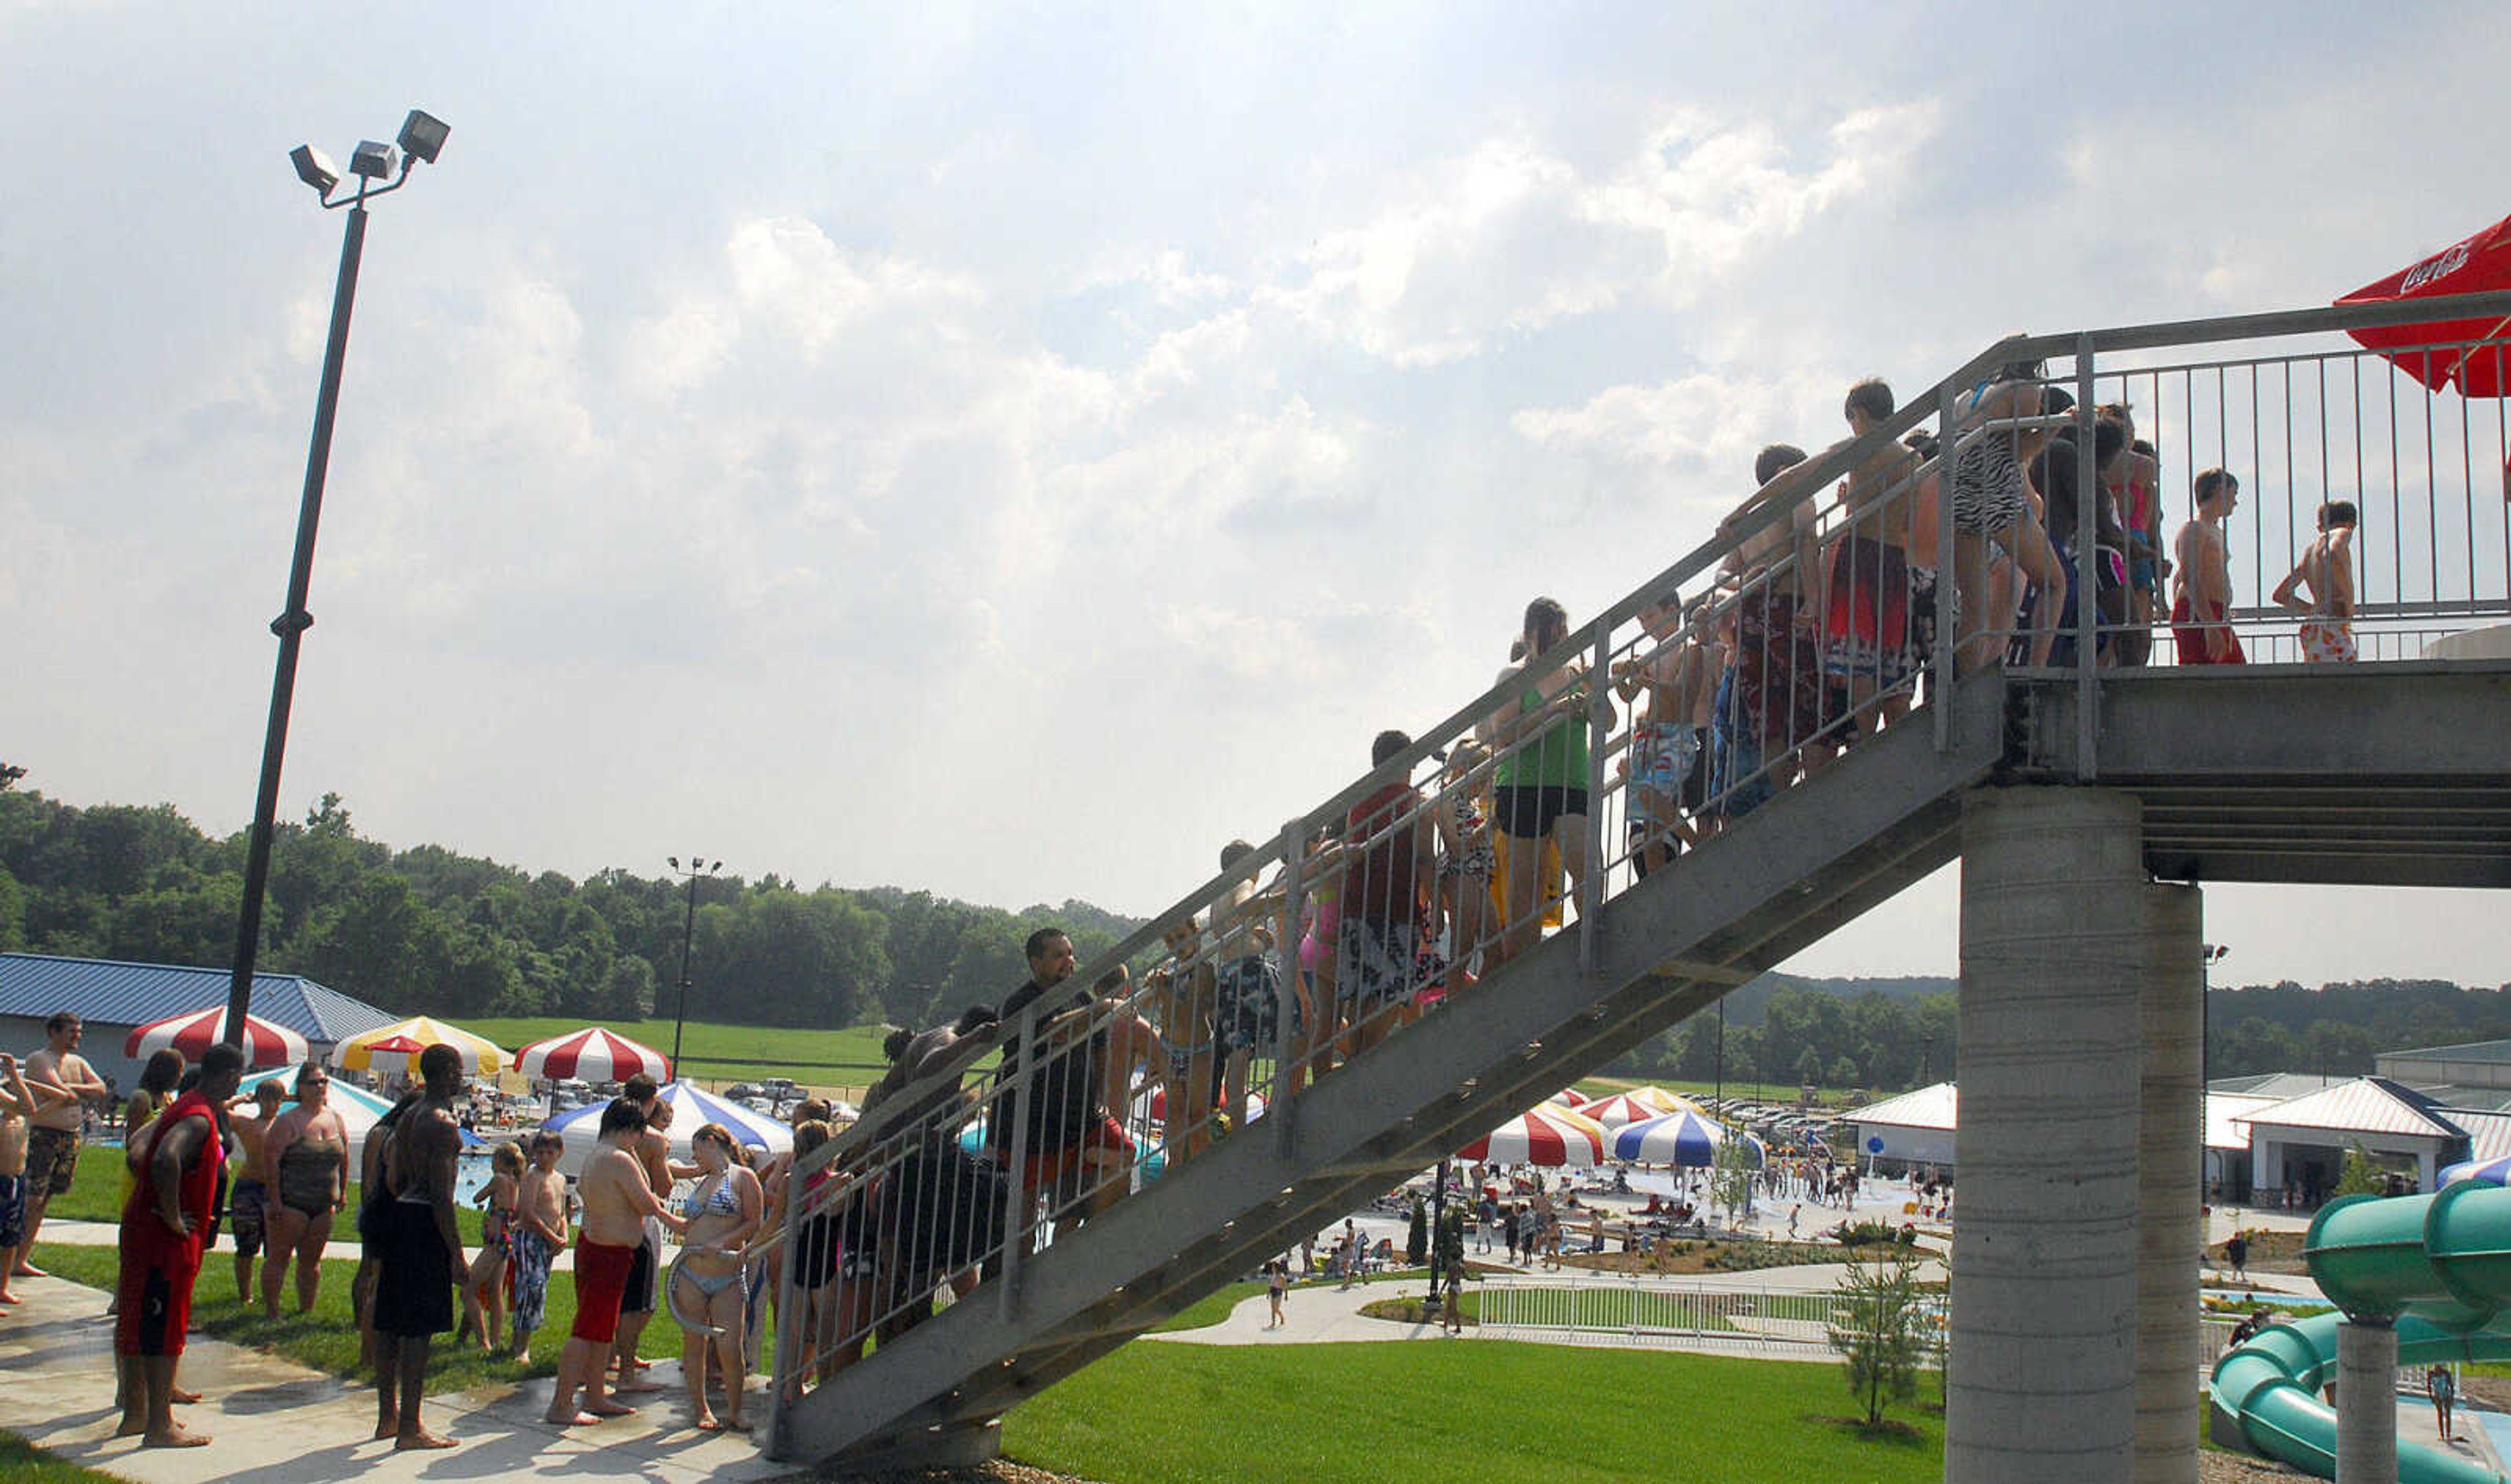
{"points": [[2426, 352]]}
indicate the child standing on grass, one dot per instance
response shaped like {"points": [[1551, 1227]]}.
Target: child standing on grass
{"points": [[539, 1234], [484, 1288], [17, 1107]]}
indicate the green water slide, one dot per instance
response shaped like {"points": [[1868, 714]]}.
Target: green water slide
{"points": [[2439, 1266]]}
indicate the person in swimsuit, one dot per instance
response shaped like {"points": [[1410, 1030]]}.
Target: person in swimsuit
{"points": [[2327, 570], [1866, 615], [413, 1229], [247, 1221], [618, 1200], [63, 1085], [1181, 998], [2201, 587], [165, 1225], [1247, 982], [16, 1105], [1540, 787], [1466, 860], [1662, 744], [484, 1288], [539, 1234], [2136, 486], [154, 1094], [306, 1154], [1991, 507], [723, 1210]]}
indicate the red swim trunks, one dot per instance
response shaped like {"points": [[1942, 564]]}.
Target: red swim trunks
{"points": [[158, 1269], [600, 1283], [1053, 1165], [2188, 635]]}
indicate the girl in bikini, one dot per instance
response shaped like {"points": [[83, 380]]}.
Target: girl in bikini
{"points": [[723, 1211], [483, 1288]]}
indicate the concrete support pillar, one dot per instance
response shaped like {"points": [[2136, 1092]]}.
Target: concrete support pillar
{"points": [[2042, 1381], [2367, 1402], [2170, 1182]]}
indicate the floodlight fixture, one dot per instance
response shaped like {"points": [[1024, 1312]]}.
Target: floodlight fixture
{"points": [[674, 860], [422, 136], [370, 161], [314, 167]]}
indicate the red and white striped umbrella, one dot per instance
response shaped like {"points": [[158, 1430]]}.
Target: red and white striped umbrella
{"points": [[1544, 1134], [1636, 1106], [1568, 1097], [593, 1054], [194, 1032]]}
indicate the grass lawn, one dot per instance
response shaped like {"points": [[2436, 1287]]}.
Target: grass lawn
{"points": [[728, 1053], [1491, 1410], [22, 1463], [326, 1340]]}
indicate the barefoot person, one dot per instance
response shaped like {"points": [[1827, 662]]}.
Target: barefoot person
{"points": [[617, 1202], [248, 1221], [419, 1247], [484, 1288], [1539, 786], [306, 1161], [17, 1106], [723, 1210], [164, 1224], [540, 1234], [63, 1083], [653, 1150]]}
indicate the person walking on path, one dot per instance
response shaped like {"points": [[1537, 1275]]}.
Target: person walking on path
{"points": [[2443, 1387], [2236, 1252]]}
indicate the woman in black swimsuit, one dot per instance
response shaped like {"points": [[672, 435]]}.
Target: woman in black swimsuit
{"points": [[306, 1157]]}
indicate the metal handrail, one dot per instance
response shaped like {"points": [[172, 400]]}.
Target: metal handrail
{"points": [[909, 1127]]}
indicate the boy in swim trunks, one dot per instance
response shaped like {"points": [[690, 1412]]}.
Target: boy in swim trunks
{"points": [[1866, 618], [540, 1234], [251, 1122], [1247, 980], [17, 1106], [618, 1202], [2201, 589], [1662, 745], [2327, 570]]}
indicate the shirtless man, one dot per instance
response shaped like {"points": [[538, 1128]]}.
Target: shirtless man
{"points": [[2201, 583], [2327, 570], [250, 1119], [420, 1249], [653, 1150], [17, 1106], [1865, 621], [65, 1084], [619, 1198], [1778, 681]]}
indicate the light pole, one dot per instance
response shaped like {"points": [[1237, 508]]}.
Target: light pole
{"points": [[693, 873], [421, 139]]}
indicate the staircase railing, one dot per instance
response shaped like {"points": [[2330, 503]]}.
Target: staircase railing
{"points": [[1827, 607]]}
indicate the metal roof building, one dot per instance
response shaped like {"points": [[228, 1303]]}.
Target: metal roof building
{"points": [[2302, 1143], [2469, 1066], [112, 998]]}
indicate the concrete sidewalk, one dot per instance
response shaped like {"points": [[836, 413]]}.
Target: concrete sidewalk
{"points": [[274, 1421]]}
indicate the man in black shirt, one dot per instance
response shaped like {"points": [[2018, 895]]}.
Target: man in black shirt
{"points": [[1072, 1146]]}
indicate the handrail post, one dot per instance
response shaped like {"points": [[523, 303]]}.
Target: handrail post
{"points": [[789, 1327], [1020, 1200], [1600, 727], [2088, 571], [1290, 1072], [1940, 685]]}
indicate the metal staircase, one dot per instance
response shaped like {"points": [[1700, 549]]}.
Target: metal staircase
{"points": [[1038, 1299]]}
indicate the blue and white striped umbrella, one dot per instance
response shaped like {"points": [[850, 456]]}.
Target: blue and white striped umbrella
{"points": [[1679, 1138], [2494, 1171], [692, 1109]]}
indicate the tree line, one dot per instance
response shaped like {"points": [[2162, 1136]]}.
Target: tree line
{"points": [[430, 931]]}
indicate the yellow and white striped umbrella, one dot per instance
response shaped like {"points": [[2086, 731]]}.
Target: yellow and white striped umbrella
{"points": [[390, 1046]]}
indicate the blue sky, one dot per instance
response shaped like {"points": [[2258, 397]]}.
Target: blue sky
{"points": [[1013, 450]]}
